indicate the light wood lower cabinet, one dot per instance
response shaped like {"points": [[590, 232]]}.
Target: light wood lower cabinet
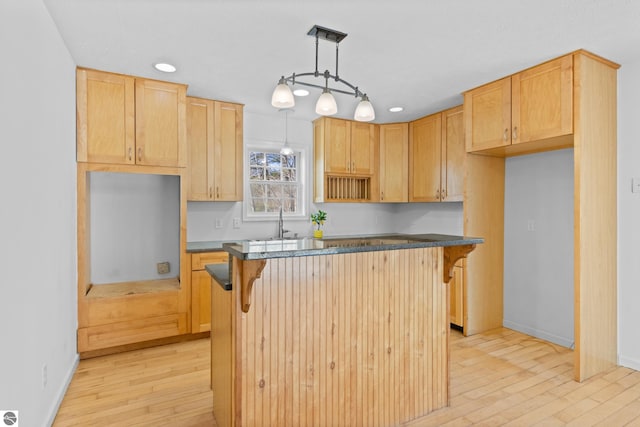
{"points": [[456, 296], [130, 312], [201, 289]]}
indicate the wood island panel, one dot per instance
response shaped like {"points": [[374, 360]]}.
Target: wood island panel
{"points": [[346, 339]]}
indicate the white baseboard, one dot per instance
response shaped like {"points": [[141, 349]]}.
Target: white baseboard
{"points": [[629, 363], [62, 391], [563, 341]]}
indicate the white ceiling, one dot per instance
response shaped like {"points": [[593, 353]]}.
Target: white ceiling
{"points": [[420, 54]]}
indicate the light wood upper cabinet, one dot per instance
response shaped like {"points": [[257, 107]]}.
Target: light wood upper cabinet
{"points": [[337, 154], [127, 120], [106, 117], [214, 141], [363, 148], [425, 139], [541, 101], [453, 155], [532, 105], [394, 156], [436, 161], [487, 112], [228, 151], [350, 147], [160, 123]]}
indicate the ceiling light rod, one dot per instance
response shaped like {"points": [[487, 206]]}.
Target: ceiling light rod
{"points": [[283, 98], [332, 36]]}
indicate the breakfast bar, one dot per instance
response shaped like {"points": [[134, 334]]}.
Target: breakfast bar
{"points": [[338, 331]]}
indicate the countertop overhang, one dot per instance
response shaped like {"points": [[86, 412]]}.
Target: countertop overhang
{"points": [[265, 249]]}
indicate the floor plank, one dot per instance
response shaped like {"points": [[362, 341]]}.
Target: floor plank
{"points": [[500, 377]]}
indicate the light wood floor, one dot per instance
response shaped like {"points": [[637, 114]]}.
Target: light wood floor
{"points": [[497, 378]]}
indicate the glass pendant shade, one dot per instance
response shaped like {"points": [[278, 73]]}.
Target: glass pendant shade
{"points": [[282, 96], [286, 149], [326, 105], [364, 111]]}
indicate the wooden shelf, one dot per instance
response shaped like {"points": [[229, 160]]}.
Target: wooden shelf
{"points": [[114, 290]]}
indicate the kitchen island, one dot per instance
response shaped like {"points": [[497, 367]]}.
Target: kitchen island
{"points": [[339, 331]]}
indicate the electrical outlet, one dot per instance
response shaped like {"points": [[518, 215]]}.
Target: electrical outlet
{"points": [[163, 267], [218, 223], [44, 375], [236, 222], [531, 225]]}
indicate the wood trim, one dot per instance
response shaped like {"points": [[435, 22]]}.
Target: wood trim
{"points": [[250, 271], [453, 254], [484, 217], [595, 217]]}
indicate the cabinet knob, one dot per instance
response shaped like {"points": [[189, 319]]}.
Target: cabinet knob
{"points": [[438, 194], [130, 153], [506, 135], [139, 153], [382, 195], [515, 133], [217, 192], [210, 192]]}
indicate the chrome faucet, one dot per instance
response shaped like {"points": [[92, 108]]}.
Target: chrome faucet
{"points": [[281, 230]]}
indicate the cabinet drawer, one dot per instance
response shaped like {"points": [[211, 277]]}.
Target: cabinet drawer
{"points": [[121, 333], [199, 260]]}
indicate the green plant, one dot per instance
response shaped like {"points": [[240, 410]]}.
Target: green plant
{"points": [[318, 218]]}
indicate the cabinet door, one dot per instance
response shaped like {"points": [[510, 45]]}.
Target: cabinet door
{"points": [[394, 158], [160, 123], [453, 154], [337, 156], [424, 159], [363, 148], [228, 152], [106, 117], [201, 288], [200, 148], [200, 301], [542, 103], [487, 116], [456, 295]]}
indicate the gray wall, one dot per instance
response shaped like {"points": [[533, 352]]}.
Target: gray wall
{"points": [[628, 214], [38, 217], [538, 247], [135, 223]]}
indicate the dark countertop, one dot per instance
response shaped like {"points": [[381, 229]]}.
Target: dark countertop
{"points": [[210, 246], [263, 249], [220, 273]]}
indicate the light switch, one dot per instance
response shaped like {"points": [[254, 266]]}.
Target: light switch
{"points": [[635, 185]]}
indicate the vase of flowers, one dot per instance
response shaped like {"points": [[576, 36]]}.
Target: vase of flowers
{"points": [[318, 218]]}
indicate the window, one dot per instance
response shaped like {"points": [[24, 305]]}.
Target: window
{"points": [[274, 181]]}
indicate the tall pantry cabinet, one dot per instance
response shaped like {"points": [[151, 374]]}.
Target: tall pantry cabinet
{"points": [[566, 102]]}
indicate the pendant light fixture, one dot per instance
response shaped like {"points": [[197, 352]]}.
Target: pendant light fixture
{"points": [[326, 106]]}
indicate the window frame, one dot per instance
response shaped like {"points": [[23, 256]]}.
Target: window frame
{"points": [[303, 165]]}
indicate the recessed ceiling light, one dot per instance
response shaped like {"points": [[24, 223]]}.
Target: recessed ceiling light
{"points": [[396, 109], [301, 92], [164, 67]]}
